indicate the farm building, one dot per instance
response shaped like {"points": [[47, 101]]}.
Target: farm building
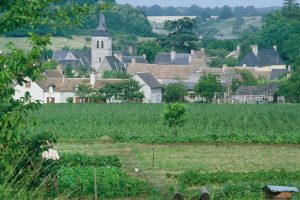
{"points": [[279, 192], [151, 88], [257, 94]]}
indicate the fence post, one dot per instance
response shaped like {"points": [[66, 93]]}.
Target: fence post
{"points": [[95, 184], [153, 157]]}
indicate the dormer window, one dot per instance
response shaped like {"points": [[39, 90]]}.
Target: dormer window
{"points": [[28, 84], [97, 44], [102, 45]]}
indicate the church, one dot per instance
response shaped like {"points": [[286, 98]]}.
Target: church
{"points": [[101, 56]]}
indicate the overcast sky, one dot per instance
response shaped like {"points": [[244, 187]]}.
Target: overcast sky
{"points": [[205, 3]]}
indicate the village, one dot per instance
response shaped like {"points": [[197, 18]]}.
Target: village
{"points": [[167, 68]]}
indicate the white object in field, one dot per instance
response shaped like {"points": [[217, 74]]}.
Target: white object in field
{"points": [[136, 170], [51, 154]]}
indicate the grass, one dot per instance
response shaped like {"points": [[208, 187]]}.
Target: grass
{"points": [[176, 159]]}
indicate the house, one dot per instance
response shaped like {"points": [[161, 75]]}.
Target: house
{"points": [[257, 94], [262, 59], [55, 88], [151, 88]]}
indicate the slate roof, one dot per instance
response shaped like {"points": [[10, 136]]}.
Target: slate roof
{"points": [[270, 89], [83, 55], [149, 80], [265, 57], [280, 188], [165, 58], [114, 62], [76, 64], [123, 53], [101, 30], [278, 73], [139, 59]]}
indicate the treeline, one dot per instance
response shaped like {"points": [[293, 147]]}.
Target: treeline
{"points": [[120, 19], [195, 10]]}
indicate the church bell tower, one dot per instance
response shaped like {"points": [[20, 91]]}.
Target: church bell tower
{"points": [[101, 44]]}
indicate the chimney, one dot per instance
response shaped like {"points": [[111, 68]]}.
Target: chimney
{"points": [[92, 79], [224, 68], [145, 56], [275, 47], [116, 56], [173, 55], [190, 59], [133, 61], [192, 52], [254, 49], [130, 50]]}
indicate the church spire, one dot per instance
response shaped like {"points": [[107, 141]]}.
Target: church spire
{"points": [[102, 25]]}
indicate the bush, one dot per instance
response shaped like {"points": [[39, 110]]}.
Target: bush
{"points": [[77, 159], [111, 182], [70, 100]]}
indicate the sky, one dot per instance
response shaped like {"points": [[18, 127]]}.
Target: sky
{"points": [[205, 3]]}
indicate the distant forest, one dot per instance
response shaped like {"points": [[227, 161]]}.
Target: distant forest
{"points": [[195, 10]]}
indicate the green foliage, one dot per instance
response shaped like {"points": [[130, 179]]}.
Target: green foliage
{"points": [[112, 182], [226, 12], [248, 78], [236, 83], [231, 62], [208, 85], [118, 74], [207, 123], [150, 48], [181, 36], [235, 185], [69, 71], [174, 116], [49, 65], [290, 88], [174, 92], [70, 100], [216, 62], [77, 159]]}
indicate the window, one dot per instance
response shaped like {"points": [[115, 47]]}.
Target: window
{"points": [[50, 100], [97, 44], [99, 59], [102, 45], [28, 84]]}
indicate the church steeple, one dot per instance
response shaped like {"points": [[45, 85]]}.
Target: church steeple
{"points": [[102, 25]]}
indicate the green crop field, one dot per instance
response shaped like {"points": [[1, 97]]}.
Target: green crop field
{"points": [[141, 123]]}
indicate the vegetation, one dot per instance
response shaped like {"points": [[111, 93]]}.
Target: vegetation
{"points": [[290, 88], [180, 35], [239, 185], [117, 74], [141, 123], [208, 86], [150, 48], [174, 92], [174, 116]]}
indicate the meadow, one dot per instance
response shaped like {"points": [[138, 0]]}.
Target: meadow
{"points": [[141, 123]]}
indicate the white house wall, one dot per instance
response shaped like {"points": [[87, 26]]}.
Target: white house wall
{"points": [[35, 91], [150, 95]]}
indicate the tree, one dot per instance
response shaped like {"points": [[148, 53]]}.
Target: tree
{"points": [[208, 85], [248, 78], [226, 12], [236, 83], [150, 48], [291, 9], [69, 71], [181, 36], [290, 88], [175, 92], [205, 14], [174, 116], [118, 74]]}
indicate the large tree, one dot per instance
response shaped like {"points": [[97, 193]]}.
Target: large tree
{"points": [[181, 35], [208, 85], [290, 88]]}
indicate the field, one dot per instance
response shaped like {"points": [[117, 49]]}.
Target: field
{"points": [[141, 123], [233, 150], [239, 169]]}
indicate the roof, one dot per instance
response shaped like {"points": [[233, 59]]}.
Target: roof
{"points": [[149, 80], [53, 74], [101, 30], [59, 55], [76, 64], [123, 53], [280, 188], [114, 62], [269, 89], [70, 84], [83, 55], [165, 58], [139, 59], [265, 57], [278, 73]]}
